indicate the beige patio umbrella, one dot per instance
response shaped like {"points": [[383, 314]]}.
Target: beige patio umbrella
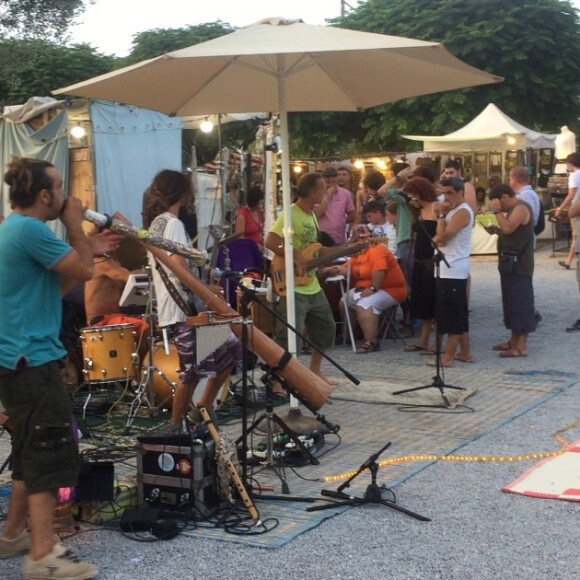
{"points": [[279, 66]]}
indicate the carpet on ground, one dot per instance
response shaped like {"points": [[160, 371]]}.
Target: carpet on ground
{"points": [[495, 398], [552, 478], [381, 391]]}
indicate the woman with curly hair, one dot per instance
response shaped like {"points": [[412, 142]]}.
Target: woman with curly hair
{"points": [[421, 197], [168, 192]]}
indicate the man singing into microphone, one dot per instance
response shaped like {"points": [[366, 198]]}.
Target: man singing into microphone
{"points": [[36, 268]]}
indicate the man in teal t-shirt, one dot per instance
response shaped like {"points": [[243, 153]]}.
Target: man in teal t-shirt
{"points": [[35, 269], [312, 309]]}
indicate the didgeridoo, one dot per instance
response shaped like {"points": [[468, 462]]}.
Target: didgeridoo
{"points": [[314, 389]]}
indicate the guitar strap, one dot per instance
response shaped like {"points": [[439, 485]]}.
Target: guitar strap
{"points": [[174, 293]]}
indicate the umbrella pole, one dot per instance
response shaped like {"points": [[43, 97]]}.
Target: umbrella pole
{"points": [[286, 202]]}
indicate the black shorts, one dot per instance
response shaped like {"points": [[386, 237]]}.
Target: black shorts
{"points": [[44, 449], [452, 311]]}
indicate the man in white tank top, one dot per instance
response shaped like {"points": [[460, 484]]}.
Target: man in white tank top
{"points": [[454, 225]]}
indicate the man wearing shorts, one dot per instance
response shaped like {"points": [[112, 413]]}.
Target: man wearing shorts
{"points": [[312, 309], [36, 268], [453, 235]]}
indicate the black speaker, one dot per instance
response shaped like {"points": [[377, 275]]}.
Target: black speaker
{"points": [[96, 481]]}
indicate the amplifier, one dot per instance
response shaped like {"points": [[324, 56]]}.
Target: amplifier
{"points": [[178, 477]]}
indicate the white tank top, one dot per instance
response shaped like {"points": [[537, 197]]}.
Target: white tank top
{"points": [[458, 248]]}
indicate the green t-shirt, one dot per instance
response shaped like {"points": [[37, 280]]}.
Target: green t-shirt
{"points": [[305, 229]]}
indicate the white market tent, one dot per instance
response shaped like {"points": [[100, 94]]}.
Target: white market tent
{"points": [[491, 130]]}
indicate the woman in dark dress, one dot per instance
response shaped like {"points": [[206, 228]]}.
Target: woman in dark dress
{"points": [[422, 196]]}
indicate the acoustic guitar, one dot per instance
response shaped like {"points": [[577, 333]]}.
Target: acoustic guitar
{"points": [[278, 268]]}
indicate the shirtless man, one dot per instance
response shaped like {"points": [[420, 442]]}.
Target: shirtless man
{"points": [[102, 294]]}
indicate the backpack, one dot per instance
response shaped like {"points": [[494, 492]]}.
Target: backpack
{"points": [[541, 223]]}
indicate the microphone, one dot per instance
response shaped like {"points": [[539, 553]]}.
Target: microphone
{"points": [[217, 273]]}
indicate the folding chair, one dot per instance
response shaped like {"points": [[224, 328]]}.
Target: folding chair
{"points": [[343, 282], [388, 322]]}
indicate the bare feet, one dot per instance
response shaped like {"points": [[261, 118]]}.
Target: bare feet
{"points": [[329, 381]]}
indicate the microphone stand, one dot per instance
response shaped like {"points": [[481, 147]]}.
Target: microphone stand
{"points": [[438, 382], [373, 493]]}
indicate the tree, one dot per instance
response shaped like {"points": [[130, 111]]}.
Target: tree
{"points": [[38, 18], [533, 44], [36, 67]]}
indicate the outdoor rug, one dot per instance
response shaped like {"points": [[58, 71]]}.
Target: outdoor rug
{"points": [[552, 478], [365, 429], [381, 391]]}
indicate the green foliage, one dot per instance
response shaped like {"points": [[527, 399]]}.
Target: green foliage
{"points": [[38, 18], [533, 44], [36, 67], [152, 43]]}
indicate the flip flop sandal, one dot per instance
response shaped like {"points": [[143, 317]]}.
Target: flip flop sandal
{"points": [[512, 353], [414, 348], [428, 352], [433, 363], [502, 346], [367, 347], [465, 360]]}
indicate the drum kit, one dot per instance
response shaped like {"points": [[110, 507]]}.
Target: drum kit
{"points": [[110, 355]]}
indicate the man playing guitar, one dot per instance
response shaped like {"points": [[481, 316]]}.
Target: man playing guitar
{"points": [[312, 309]]}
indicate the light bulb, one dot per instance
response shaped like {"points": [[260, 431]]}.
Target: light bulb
{"points": [[297, 169], [359, 164], [78, 132], [206, 126], [511, 140], [381, 164]]}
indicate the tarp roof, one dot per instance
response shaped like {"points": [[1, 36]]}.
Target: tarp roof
{"points": [[491, 130]]}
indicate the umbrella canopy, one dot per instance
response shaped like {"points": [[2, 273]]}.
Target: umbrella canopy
{"points": [[280, 65], [323, 69]]}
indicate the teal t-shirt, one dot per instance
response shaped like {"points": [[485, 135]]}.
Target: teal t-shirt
{"points": [[305, 228], [403, 229], [30, 300]]}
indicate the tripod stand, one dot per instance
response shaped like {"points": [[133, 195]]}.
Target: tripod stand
{"points": [[271, 418], [373, 493], [146, 387], [438, 381]]}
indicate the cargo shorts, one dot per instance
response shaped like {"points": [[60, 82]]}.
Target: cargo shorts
{"points": [[44, 448]]}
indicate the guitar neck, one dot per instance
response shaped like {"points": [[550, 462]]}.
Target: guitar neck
{"points": [[344, 251]]}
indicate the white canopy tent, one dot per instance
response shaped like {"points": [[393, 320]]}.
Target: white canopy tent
{"points": [[491, 130]]}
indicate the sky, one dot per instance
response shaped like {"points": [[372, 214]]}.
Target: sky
{"points": [[109, 25]]}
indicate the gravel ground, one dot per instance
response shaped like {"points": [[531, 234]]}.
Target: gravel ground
{"points": [[476, 532]]}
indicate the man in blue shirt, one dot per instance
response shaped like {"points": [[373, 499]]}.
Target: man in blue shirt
{"points": [[36, 268]]}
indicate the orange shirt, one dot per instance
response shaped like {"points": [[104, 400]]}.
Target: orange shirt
{"points": [[379, 258]]}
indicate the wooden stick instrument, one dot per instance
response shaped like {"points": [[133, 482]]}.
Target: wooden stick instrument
{"points": [[231, 467], [313, 388]]}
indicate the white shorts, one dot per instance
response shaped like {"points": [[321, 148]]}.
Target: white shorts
{"points": [[378, 300]]}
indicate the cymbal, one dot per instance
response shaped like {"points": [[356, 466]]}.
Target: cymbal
{"points": [[225, 240], [301, 424]]}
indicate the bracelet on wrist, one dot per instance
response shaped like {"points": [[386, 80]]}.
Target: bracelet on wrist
{"points": [[495, 211]]}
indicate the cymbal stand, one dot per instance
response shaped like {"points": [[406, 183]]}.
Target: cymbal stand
{"points": [[373, 493], [146, 388]]}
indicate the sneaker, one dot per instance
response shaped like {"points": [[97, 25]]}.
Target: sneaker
{"points": [[19, 545], [575, 327], [60, 564]]}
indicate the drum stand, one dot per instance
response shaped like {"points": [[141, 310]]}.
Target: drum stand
{"points": [[146, 388]]}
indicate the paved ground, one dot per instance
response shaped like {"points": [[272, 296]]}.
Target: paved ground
{"points": [[477, 531]]}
